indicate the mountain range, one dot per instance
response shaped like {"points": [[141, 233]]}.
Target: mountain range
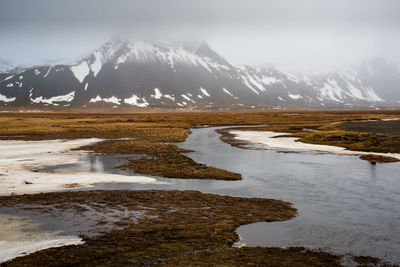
{"points": [[191, 75]]}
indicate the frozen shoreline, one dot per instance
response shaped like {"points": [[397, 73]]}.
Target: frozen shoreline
{"points": [[20, 236], [20, 159], [269, 138]]}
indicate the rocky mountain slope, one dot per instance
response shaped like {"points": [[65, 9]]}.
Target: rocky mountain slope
{"points": [[192, 75]]}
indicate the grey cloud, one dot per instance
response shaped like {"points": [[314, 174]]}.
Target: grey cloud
{"points": [[298, 33]]}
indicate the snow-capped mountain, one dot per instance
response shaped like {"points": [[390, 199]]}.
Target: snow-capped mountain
{"points": [[190, 75]]}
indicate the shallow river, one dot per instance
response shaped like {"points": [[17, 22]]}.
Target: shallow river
{"points": [[344, 204]]}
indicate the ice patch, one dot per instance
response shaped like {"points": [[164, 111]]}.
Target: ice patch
{"points": [[19, 158], [12, 249], [86, 85], [270, 139], [10, 85], [81, 71], [37, 72]]}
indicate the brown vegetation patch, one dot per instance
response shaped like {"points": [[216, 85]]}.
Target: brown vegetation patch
{"points": [[175, 165], [257, 256], [177, 224], [159, 127], [164, 160], [383, 127], [378, 158]]}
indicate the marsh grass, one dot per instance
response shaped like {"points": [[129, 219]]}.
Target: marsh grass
{"points": [[163, 160], [177, 224]]}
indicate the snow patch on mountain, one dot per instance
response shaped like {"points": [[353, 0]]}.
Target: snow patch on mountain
{"points": [[332, 91], [226, 91], [8, 77], [4, 98], [157, 94], [80, 71], [171, 97], [113, 99], [371, 95], [269, 80], [61, 98], [294, 96], [204, 91], [134, 100]]}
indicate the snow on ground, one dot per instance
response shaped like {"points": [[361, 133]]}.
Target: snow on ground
{"points": [[19, 159], [80, 71], [269, 138]]}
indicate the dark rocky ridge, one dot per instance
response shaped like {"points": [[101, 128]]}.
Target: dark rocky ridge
{"points": [[192, 75]]}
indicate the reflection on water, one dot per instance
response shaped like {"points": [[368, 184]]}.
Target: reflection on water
{"points": [[95, 164], [345, 204]]}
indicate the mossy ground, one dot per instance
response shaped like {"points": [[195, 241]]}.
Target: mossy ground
{"points": [[378, 158], [176, 224]]}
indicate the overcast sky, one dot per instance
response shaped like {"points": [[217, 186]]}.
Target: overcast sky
{"points": [[301, 34]]}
